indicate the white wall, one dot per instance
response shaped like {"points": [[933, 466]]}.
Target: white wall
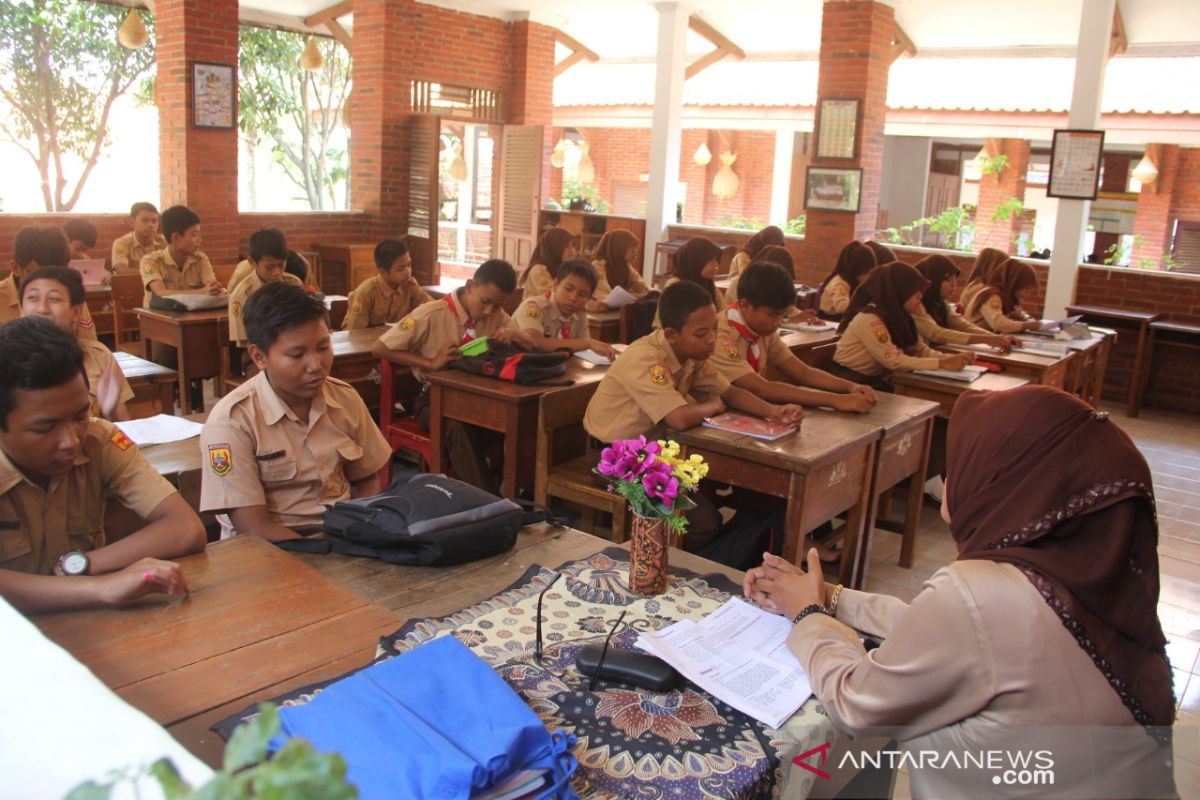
{"points": [[905, 177]]}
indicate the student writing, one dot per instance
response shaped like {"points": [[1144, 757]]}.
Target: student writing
{"points": [[938, 322], [854, 263], [998, 305]]}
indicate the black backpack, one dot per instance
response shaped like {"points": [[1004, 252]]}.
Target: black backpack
{"points": [[509, 363]]}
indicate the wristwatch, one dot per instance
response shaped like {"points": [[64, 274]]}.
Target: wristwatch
{"points": [[73, 562]]}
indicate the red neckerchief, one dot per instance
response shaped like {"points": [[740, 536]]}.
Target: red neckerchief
{"points": [[564, 330], [752, 355], [469, 332]]}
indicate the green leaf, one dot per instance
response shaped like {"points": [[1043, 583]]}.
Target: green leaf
{"points": [[248, 745], [90, 790], [173, 785]]}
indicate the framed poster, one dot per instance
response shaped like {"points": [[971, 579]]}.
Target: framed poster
{"points": [[837, 127], [213, 90], [833, 189], [1075, 164]]}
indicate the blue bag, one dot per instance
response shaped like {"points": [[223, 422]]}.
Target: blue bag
{"points": [[436, 722]]}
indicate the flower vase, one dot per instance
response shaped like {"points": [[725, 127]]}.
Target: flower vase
{"points": [[648, 555]]}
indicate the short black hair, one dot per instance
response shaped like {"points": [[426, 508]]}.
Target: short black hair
{"points": [[296, 265], [580, 269], [81, 230], [496, 272], [45, 244], [138, 208], [279, 307], [268, 242], [678, 301], [68, 277], [177, 220], [35, 354], [766, 284], [386, 253]]}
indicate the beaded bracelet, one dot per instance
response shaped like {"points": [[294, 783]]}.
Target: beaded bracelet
{"points": [[815, 608]]}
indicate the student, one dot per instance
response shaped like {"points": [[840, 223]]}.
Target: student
{"points": [[770, 236], [854, 263], [938, 322], [883, 253], [389, 296], [555, 246], [616, 265], [291, 440], [779, 256], [748, 344], [59, 466], [293, 264], [429, 338], [57, 294], [129, 250], [651, 381], [558, 318], [81, 237], [981, 272], [38, 246], [268, 253], [997, 306], [180, 267], [879, 335]]}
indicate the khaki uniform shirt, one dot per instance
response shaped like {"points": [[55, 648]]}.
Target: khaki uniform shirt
{"points": [[374, 303], [432, 326], [537, 281], [720, 303], [835, 297], [741, 260], [38, 525], [643, 385], [866, 347], [541, 313], [991, 315], [243, 270], [957, 330], [637, 287], [237, 301], [128, 252], [97, 361], [10, 308], [731, 356], [159, 266], [256, 451]]}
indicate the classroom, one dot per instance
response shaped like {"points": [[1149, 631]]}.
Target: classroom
{"points": [[772, 398]]}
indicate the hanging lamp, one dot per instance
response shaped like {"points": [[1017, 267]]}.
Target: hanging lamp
{"points": [[132, 34], [311, 59]]}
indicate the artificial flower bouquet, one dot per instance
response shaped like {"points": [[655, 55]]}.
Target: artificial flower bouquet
{"points": [[653, 478]]}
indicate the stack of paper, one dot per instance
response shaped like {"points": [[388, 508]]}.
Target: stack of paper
{"points": [[966, 374], [739, 655], [159, 429], [618, 297], [200, 302]]}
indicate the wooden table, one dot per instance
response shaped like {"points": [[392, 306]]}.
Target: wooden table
{"points": [[179, 463], [153, 385], [258, 623], [1035, 366], [605, 326], [1139, 319], [1086, 371], [1174, 334], [945, 392], [354, 363], [100, 304], [199, 339], [813, 348], [502, 406]]}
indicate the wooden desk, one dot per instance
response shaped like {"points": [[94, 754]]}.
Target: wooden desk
{"points": [[153, 385], [179, 463], [100, 304], [1174, 334], [199, 339], [354, 363], [258, 623], [605, 326], [945, 392], [1139, 319], [345, 266], [1035, 366], [814, 349], [1085, 372], [509, 408]]}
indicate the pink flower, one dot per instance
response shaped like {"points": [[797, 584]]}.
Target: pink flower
{"points": [[661, 484], [626, 459]]}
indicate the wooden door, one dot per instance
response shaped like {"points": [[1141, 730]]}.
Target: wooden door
{"points": [[424, 197], [520, 193], [942, 194]]}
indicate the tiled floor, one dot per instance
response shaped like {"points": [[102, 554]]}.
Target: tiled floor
{"points": [[1171, 444]]}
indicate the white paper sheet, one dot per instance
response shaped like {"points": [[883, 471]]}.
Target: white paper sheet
{"points": [[159, 429], [592, 357], [618, 297], [966, 374], [200, 302]]}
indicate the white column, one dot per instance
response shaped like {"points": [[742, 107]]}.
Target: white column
{"points": [[1091, 59], [666, 126], [781, 179]]}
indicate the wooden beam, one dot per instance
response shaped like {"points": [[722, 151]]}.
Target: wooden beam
{"points": [[901, 44], [338, 32], [703, 63], [332, 12], [1118, 44], [568, 62], [575, 45], [149, 5], [720, 40]]}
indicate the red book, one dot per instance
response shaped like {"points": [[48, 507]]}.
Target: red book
{"points": [[750, 426]]}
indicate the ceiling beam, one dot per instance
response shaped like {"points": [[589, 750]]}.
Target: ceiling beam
{"points": [[579, 52], [332, 12], [338, 32], [724, 46], [1118, 44], [901, 44]]}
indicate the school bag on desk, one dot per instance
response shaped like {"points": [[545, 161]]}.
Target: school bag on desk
{"points": [[510, 363]]}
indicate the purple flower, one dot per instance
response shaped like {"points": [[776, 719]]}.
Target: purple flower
{"points": [[661, 484], [626, 459]]}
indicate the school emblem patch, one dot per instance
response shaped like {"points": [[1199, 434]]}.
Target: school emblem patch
{"points": [[122, 441], [357, 307], [220, 459], [235, 307], [532, 311], [730, 348], [881, 335], [658, 376], [406, 324]]}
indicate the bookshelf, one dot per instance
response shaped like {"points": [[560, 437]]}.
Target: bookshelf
{"points": [[589, 227]]}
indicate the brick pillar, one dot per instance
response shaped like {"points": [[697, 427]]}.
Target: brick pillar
{"points": [[531, 92], [998, 188], [697, 178], [380, 106], [1152, 221], [1114, 177], [856, 45], [198, 167]]}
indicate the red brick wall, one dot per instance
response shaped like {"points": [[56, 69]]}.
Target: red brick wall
{"points": [[1185, 199], [997, 188], [1152, 219]]}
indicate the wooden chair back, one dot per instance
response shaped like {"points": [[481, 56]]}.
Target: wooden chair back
{"points": [[637, 319], [560, 436], [401, 432], [128, 293]]}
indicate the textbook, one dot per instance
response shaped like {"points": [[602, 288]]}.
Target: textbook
{"points": [[966, 374], [750, 426]]}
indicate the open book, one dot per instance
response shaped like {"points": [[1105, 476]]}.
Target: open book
{"points": [[618, 297], [966, 374], [750, 426]]}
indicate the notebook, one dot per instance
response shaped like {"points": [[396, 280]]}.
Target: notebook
{"points": [[966, 374], [200, 302], [91, 269], [750, 426]]}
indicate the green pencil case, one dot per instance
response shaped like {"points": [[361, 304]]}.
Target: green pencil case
{"points": [[475, 347]]}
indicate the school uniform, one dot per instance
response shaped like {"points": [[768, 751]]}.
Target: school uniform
{"points": [[541, 313], [990, 315], [866, 348], [375, 303], [537, 280], [237, 302], [835, 297], [968, 294], [10, 308], [128, 251], [258, 452], [195, 271], [956, 331], [741, 260], [98, 360], [243, 270], [719, 302], [38, 525], [637, 287], [740, 351]]}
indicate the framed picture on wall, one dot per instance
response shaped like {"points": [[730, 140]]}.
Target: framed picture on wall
{"points": [[1075, 164], [213, 87], [833, 189], [838, 121]]}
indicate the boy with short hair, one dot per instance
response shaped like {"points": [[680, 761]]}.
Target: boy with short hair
{"points": [[293, 264], [81, 237], [129, 250], [429, 338], [748, 344], [268, 254], [38, 246], [557, 319], [389, 296], [57, 294], [291, 440], [180, 267], [58, 468]]}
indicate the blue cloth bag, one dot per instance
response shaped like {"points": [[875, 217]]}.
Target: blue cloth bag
{"points": [[436, 722]]}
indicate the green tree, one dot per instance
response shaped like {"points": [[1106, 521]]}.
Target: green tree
{"points": [[61, 70], [300, 113]]}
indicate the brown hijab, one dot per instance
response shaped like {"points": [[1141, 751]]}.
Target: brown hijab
{"points": [[1038, 480], [887, 288], [988, 259], [883, 253], [770, 236], [611, 250], [549, 251], [937, 269], [855, 260], [1010, 277], [692, 258], [776, 254]]}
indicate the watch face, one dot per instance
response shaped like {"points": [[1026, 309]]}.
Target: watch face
{"points": [[75, 563]]}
